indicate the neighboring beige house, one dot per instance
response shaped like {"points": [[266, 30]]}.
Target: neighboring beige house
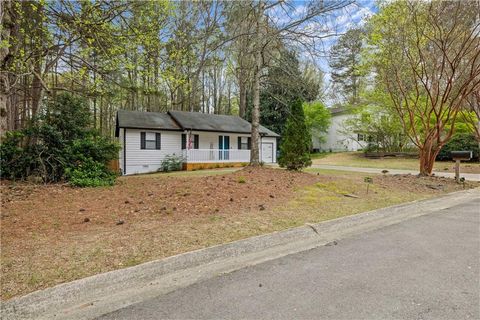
{"points": [[336, 139], [203, 140]]}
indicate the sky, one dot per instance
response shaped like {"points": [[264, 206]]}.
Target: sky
{"points": [[354, 15]]}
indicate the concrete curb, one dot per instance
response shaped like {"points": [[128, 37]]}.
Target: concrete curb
{"points": [[99, 294]]}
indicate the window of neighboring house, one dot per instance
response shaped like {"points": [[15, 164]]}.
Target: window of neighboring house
{"points": [[150, 140], [195, 144], [360, 137], [244, 143]]}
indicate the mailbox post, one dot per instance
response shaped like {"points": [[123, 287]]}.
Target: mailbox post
{"points": [[458, 156]]}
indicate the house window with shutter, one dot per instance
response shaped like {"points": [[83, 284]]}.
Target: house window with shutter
{"points": [[244, 143], [184, 141], [194, 143], [150, 140]]}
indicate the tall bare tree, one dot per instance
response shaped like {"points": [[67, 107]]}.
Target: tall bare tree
{"points": [[303, 30]]}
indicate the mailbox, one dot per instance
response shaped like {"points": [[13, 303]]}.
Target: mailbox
{"points": [[461, 155], [458, 156]]}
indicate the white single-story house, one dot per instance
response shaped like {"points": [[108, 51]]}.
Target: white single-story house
{"points": [[337, 139], [202, 140]]}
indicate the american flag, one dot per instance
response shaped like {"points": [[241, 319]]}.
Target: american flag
{"points": [[189, 146]]}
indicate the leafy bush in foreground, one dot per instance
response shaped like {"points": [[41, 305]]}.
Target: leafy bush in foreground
{"points": [[90, 174], [59, 145], [459, 142], [171, 163]]}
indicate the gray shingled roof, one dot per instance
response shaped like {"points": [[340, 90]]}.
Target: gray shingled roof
{"points": [[146, 120], [181, 120], [215, 122]]}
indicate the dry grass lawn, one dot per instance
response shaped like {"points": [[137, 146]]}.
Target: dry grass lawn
{"points": [[357, 159], [53, 234]]}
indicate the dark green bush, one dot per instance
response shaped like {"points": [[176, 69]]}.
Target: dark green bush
{"points": [[295, 148], [90, 173], [460, 142], [13, 158], [59, 145], [94, 147]]}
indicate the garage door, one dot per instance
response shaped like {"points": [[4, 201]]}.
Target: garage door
{"points": [[267, 152]]}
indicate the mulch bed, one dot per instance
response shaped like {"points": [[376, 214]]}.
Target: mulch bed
{"points": [[46, 208]]}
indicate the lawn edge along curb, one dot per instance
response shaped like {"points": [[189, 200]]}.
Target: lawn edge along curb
{"points": [[99, 294]]}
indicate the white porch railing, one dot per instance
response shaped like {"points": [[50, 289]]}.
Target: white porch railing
{"points": [[216, 155]]}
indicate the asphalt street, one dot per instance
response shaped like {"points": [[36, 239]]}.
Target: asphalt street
{"points": [[423, 268]]}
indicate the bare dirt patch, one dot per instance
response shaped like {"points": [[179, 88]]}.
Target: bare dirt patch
{"points": [[53, 234], [45, 229]]}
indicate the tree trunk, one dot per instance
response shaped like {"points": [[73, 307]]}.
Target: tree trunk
{"points": [[8, 28], [428, 154], [255, 152], [37, 89], [242, 95]]}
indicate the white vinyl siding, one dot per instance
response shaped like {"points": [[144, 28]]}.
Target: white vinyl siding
{"points": [[337, 139], [148, 160]]}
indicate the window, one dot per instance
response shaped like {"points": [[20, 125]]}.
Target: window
{"points": [[360, 137], [150, 140], [195, 144], [196, 141], [244, 143]]}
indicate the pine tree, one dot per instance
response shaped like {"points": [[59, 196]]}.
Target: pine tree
{"points": [[347, 75], [295, 148]]}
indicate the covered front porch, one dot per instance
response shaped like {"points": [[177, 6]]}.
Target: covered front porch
{"points": [[214, 158]]}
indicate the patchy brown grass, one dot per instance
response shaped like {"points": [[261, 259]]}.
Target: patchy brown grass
{"points": [[47, 240]]}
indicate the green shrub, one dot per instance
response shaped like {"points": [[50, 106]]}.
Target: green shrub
{"points": [[90, 173], [295, 148], [59, 145], [460, 142], [171, 163], [241, 180], [94, 147], [13, 158]]}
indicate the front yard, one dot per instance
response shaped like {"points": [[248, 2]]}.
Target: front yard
{"points": [[53, 234], [357, 159]]}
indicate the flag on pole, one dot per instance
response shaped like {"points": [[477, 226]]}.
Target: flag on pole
{"points": [[189, 140]]}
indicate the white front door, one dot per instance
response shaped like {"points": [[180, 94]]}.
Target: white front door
{"points": [[267, 152]]}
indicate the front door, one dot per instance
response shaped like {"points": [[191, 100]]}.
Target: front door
{"points": [[223, 146]]}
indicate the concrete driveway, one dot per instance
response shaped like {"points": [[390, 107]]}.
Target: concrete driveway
{"points": [[423, 268], [468, 176]]}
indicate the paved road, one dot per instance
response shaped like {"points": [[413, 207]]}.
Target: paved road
{"points": [[468, 176], [423, 268]]}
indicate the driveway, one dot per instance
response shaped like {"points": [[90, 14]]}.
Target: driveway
{"points": [[423, 268], [468, 176]]}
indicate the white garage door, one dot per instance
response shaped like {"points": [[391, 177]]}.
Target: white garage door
{"points": [[267, 152]]}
